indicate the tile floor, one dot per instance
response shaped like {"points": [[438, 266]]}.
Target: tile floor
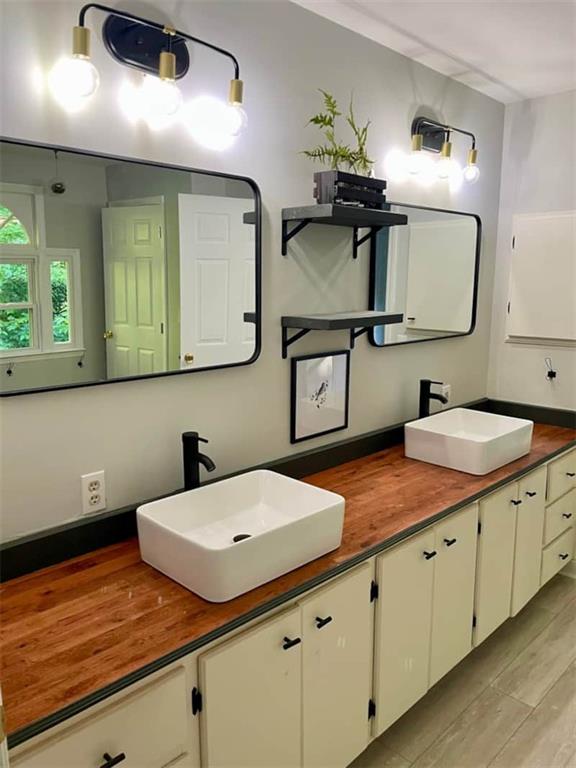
{"points": [[510, 704]]}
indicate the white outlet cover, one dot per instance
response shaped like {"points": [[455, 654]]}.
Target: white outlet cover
{"points": [[93, 492]]}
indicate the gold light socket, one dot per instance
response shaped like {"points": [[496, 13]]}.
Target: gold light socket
{"points": [[81, 42], [236, 92], [446, 150], [472, 156], [417, 142], [167, 68]]}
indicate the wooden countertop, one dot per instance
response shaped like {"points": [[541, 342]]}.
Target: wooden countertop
{"points": [[78, 628]]}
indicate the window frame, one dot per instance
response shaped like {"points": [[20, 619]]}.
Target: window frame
{"points": [[39, 257]]}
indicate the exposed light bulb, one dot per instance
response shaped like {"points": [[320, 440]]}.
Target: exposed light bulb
{"points": [[444, 167], [72, 81], [238, 119], [155, 101], [213, 123], [471, 174], [395, 165]]}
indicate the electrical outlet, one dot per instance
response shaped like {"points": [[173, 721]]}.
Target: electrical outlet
{"points": [[93, 492], [446, 390]]}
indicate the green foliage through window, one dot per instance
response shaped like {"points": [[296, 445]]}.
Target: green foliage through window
{"points": [[15, 324], [60, 303], [12, 231]]}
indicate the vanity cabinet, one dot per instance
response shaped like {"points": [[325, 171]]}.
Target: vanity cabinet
{"points": [[424, 612], [295, 689], [509, 551], [149, 728]]}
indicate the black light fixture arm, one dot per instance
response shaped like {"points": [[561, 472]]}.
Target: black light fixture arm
{"points": [[176, 33], [421, 121]]}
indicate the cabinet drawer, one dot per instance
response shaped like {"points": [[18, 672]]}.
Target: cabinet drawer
{"points": [[561, 475], [559, 516], [554, 556], [149, 727]]}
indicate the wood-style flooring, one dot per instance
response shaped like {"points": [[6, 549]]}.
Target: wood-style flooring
{"points": [[510, 704]]}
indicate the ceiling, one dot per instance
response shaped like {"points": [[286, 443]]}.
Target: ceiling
{"points": [[509, 50]]}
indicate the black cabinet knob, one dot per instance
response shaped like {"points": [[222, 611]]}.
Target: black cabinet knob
{"points": [[110, 761], [430, 555], [531, 494], [571, 474], [564, 556], [322, 622], [567, 515], [287, 643], [516, 502], [449, 542]]}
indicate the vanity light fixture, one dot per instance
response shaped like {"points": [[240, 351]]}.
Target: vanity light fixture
{"points": [[435, 137], [161, 53]]}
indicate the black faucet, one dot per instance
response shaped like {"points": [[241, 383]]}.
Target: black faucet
{"points": [[193, 458], [426, 395]]}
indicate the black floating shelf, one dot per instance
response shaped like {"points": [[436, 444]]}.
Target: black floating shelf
{"points": [[338, 216], [356, 322]]}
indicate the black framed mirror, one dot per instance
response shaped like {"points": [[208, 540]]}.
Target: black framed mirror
{"points": [[114, 269], [428, 271]]}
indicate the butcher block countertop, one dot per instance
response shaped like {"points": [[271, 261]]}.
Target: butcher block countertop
{"points": [[74, 633]]}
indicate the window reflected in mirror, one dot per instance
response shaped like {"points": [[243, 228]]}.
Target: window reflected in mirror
{"points": [[114, 269]]}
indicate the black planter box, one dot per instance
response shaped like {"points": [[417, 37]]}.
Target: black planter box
{"points": [[349, 189]]}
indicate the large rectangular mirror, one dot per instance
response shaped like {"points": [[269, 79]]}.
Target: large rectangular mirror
{"points": [[116, 269], [428, 271]]}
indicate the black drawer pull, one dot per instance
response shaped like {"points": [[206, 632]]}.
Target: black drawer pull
{"points": [[571, 474], [287, 643], [567, 515], [564, 556], [110, 761], [516, 502], [322, 622], [449, 542], [531, 494], [430, 555]]}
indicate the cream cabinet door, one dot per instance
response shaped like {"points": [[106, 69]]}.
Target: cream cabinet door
{"points": [[495, 560], [453, 598], [252, 691], [529, 532], [403, 621], [148, 729], [337, 670]]}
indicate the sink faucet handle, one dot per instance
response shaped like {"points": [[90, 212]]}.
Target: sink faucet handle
{"points": [[202, 439]]}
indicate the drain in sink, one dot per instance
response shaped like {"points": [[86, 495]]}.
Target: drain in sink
{"points": [[241, 537]]}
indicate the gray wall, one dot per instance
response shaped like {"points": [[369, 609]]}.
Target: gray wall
{"points": [[538, 176], [73, 220], [132, 430]]}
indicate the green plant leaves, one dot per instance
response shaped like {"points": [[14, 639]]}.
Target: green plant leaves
{"points": [[334, 153]]}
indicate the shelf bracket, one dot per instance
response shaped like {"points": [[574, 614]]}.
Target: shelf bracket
{"points": [[358, 241], [288, 340], [288, 235], [354, 334]]}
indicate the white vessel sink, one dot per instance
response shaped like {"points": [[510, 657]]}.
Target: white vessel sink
{"points": [[467, 440], [224, 539]]}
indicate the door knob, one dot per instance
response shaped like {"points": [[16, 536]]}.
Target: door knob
{"points": [[567, 515], [107, 335], [322, 622], [531, 494], [110, 761], [564, 556], [516, 502], [188, 357], [571, 474], [449, 542], [430, 555]]}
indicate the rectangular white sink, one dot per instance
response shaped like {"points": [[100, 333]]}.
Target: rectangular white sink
{"points": [[466, 440], [224, 539]]}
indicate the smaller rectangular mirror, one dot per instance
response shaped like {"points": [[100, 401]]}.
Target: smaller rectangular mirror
{"points": [[428, 271]]}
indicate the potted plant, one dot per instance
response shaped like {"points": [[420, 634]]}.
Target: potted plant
{"points": [[354, 186]]}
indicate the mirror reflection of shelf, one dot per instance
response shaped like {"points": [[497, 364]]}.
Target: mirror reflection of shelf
{"points": [[356, 322], [338, 216]]}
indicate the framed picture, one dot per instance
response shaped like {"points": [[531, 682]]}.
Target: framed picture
{"points": [[320, 394]]}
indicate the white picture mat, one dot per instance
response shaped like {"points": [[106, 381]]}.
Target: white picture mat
{"points": [[320, 397]]}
